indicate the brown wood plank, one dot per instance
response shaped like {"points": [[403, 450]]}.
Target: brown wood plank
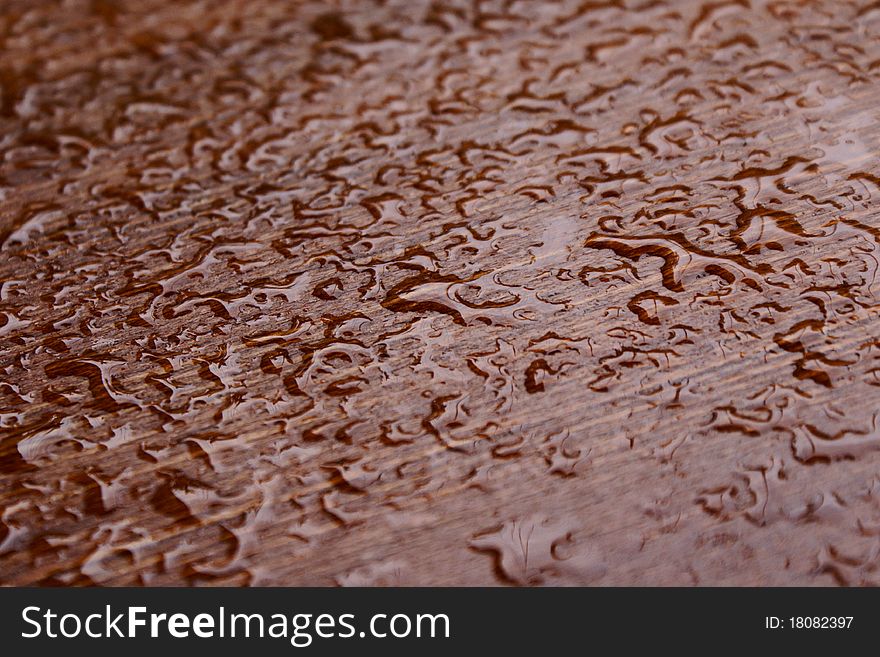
{"points": [[439, 292]]}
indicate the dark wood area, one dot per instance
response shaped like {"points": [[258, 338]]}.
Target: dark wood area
{"points": [[358, 293]]}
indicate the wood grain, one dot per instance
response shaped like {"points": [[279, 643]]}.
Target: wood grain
{"points": [[439, 293]]}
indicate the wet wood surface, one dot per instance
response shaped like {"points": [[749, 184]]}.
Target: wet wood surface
{"points": [[367, 293]]}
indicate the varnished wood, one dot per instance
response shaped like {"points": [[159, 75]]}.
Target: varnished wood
{"points": [[439, 293]]}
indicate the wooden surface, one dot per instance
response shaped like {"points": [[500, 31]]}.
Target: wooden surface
{"points": [[439, 293]]}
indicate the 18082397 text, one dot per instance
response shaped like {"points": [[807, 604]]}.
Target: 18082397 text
{"points": [[808, 622]]}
